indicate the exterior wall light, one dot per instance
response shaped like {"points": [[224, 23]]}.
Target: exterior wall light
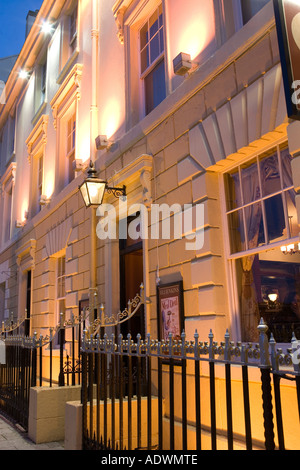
{"points": [[44, 200], [24, 74], [93, 189], [182, 64], [47, 27]]}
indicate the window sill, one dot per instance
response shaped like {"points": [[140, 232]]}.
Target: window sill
{"points": [[67, 67]]}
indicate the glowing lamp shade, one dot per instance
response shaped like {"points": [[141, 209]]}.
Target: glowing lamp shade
{"points": [[92, 189], [273, 297]]}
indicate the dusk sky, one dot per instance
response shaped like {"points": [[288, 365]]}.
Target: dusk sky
{"points": [[13, 24]]}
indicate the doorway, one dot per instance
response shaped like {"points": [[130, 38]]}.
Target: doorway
{"points": [[131, 278]]}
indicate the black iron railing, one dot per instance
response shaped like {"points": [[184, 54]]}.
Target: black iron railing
{"points": [[171, 372]]}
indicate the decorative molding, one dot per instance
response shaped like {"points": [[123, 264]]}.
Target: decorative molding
{"points": [[26, 255], [70, 90], [245, 123], [119, 19], [8, 179], [37, 139], [145, 178], [58, 237]]}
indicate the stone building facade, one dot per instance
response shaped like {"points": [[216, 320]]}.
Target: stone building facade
{"points": [[106, 69]]}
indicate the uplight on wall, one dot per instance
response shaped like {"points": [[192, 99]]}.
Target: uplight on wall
{"points": [[182, 64], [47, 27], [24, 74]]}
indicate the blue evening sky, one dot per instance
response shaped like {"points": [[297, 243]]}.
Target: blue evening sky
{"points": [[13, 24]]}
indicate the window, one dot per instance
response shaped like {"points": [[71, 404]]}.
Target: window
{"points": [[28, 304], [261, 201], [43, 81], [73, 30], [251, 7], [2, 302], [37, 184], [71, 139], [7, 183], [152, 64], [40, 169], [261, 219], [40, 85]]}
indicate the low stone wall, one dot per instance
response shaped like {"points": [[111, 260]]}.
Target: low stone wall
{"points": [[47, 408], [73, 425]]}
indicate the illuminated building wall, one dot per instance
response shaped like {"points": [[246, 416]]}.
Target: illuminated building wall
{"points": [[178, 143]]}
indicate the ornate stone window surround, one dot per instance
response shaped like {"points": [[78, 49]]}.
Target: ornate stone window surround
{"points": [[67, 98]]}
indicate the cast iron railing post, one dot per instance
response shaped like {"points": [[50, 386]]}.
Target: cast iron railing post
{"points": [[212, 393], [265, 367]]}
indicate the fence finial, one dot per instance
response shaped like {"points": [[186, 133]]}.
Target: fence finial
{"points": [[263, 344]]}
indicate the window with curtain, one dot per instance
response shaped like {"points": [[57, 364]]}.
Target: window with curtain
{"points": [[261, 219]]}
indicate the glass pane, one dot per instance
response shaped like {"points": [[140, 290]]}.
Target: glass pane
{"points": [[236, 231], [161, 41], [286, 166], [250, 183], [160, 16], [270, 177], [144, 59], [153, 24], [290, 200], [233, 191], [154, 48], [275, 218], [155, 88], [254, 224], [144, 36], [251, 7]]}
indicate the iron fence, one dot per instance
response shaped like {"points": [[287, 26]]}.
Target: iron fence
{"points": [[113, 395], [25, 368]]}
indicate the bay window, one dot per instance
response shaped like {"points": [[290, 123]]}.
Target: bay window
{"points": [[262, 222]]}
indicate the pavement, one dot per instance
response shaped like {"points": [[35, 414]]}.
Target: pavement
{"points": [[13, 437]]}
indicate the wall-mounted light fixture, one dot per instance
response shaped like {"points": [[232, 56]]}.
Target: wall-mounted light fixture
{"points": [[24, 74], [102, 142], [182, 64], [93, 188], [291, 249], [47, 27], [44, 200]]}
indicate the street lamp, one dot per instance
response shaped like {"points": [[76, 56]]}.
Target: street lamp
{"points": [[93, 188]]}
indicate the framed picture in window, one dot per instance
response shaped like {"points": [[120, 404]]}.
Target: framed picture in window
{"points": [[170, 311]]}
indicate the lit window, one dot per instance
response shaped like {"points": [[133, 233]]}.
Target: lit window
{"points": [[261, 202], [261, 217], [152, 64]]}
